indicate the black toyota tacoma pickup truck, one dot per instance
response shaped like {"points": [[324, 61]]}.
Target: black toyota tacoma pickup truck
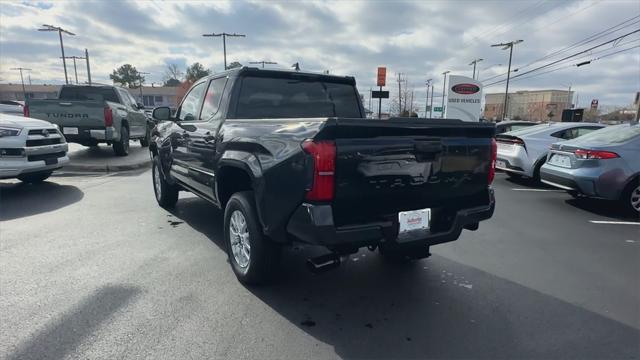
{"points": [[289, 157]]}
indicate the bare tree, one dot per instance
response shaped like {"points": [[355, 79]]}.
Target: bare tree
{"points": [[173, 73]]}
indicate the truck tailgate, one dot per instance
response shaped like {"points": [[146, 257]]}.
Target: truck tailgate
{"points": [[83, 113], [383, 167]]}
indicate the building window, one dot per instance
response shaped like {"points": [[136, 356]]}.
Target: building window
{"points": [[159, 99], [148, 100]]}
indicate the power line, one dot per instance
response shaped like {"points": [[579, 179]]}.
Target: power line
{"points": [[567, 66], [587, 40], [569, 57]]}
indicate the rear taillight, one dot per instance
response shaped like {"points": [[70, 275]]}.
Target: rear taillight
{"points": [[595, 154], [25, 111], [492, 166], [108, 116], [324, 169]]}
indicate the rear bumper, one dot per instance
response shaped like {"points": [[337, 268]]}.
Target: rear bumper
{"points": [[584, 181], [313, 224], [87, 135]]}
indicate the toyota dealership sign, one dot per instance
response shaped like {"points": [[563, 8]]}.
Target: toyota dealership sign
{"points": [[463, 99]]}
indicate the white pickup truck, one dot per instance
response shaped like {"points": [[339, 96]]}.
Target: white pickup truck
{"points": [[30, 149]]}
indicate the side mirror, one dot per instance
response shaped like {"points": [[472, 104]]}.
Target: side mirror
{"points": [[162, 113], [140, 106]]}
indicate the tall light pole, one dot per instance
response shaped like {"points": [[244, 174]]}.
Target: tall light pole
{"points": [[60, 30], [86, 56], [506, 46], [263, 63], [141, 81], [426, 105], [24, 92], [444, 88], [224, 42], [75, 69], [474, 62], [431, 106]]}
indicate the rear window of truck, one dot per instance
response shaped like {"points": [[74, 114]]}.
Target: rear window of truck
{"points": [[88, 93], [264, 97]]}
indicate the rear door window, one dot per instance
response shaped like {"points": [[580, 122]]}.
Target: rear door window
{"points": [[296, 97], [211, 102]]}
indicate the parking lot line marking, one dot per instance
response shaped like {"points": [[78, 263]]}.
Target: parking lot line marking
{"points": [[614, 222], [538, 190]]}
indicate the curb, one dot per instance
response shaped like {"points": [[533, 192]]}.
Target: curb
{"points": [[106, 168]]}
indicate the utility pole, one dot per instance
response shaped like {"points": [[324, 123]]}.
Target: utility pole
{"points": [[431, 105], [370, 96], [444, 88], [24, 91], [399, 94], [474, 62], [411, 104], [224, 42], [75, 69], [506, 46], [60, 31], [263, 62], [426, 105], [29, 78], [141, 81], [86, 56]]}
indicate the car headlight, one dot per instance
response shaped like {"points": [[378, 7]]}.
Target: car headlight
{"points": [[8, 131]]}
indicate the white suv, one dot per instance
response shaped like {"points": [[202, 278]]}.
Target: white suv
{"points": [[30, 149]]}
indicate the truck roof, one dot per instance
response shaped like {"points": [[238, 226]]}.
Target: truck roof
{"points": [[247, 70]]}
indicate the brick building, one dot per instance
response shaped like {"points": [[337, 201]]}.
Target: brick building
{"points": [[529, 105]]}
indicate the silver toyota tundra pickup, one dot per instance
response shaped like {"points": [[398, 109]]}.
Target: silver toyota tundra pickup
{"points": [[30, 149]]}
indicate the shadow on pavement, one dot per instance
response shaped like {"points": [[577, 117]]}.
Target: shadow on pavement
{"points": [[19, 199], [434, 308], [63, 335], [606, 208], [523, 181]]}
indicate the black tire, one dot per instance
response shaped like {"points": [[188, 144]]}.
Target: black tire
{"points": [[166, 194], [144, 142], [536, 171], [630, 198], [121, 148], [574, 194], [513, 175], [399, 254], [262, 256], [35, 178]]}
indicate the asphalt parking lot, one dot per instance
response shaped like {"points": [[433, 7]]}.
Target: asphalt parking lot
{"points": [[93, 268]]}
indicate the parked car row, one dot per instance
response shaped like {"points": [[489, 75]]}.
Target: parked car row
{"points": [[603, 164], [585, 159]]}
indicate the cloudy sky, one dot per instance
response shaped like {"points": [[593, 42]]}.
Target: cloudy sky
{"points": [[420, 39]]}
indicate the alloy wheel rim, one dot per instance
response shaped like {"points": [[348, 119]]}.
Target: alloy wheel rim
{"points": [[239, 238], [156, 182], [635, 198]]}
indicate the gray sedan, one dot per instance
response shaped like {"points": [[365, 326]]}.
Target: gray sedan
{"points": [[522, 152], [603, 164]]}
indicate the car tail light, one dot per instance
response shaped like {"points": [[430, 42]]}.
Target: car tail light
{"points": [[25, 111], [108, 116], [492, 166], [324, 169], [595, 154]]}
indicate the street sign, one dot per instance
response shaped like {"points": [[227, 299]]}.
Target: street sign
{"points": [[594, 104], [382, 76], [437, 108], [380, 94]]}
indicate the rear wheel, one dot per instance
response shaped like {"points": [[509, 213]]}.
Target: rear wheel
{"points": [[536, 171], [34, 178], [166, 194], [144, 142], [253, 257], [631, 198], [121, 148], [513, 175]]}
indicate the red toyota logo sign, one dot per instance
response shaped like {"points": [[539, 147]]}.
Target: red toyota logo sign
{"points": [[465, 89]]}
